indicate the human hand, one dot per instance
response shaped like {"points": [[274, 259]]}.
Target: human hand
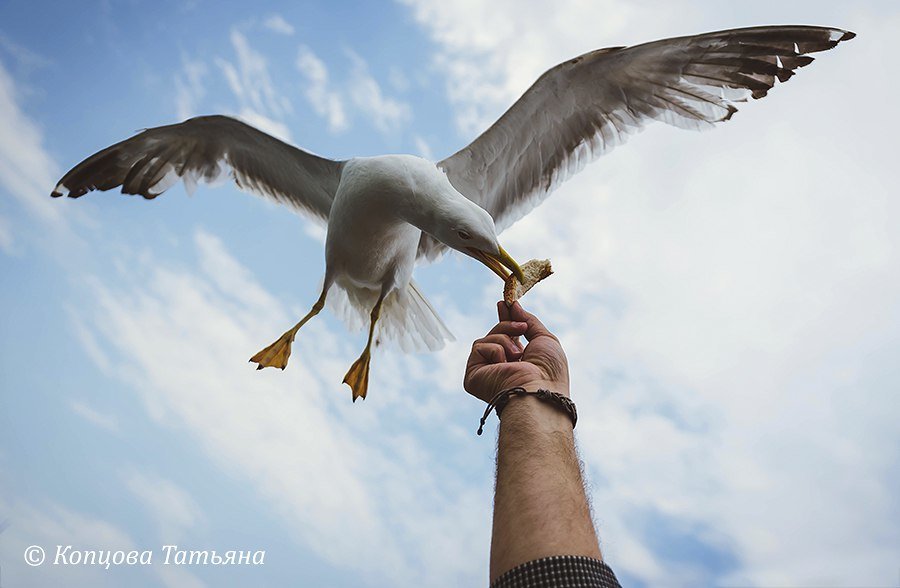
{"points": [[498, 361]]}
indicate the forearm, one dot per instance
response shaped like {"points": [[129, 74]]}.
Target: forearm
{"points": [[540, 507]]}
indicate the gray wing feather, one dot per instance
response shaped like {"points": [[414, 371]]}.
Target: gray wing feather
{"points": [[584, 107], [205, 149]]}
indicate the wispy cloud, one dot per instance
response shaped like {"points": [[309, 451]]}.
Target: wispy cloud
{"points": [[423, 148], [27, 172], [189, 87], [265, 124], [398, 79], [7, 240], [277, 24], [105, 421], [169, 505], [355, 95], [726, 328], [387, 114], [490, 52], [250, 80], [51, 524], [257, 99], [326, 102], [24, 56], [339, 476], [259, 102], [728, 302], [360, 93]]}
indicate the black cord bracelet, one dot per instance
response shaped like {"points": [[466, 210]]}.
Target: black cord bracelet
{"points": [[500, 400]]}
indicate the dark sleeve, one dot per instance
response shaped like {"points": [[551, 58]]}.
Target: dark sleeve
{"points": [[576, 571]]}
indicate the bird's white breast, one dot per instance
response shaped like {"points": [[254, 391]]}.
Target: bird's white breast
{"points": [[369, 244]]}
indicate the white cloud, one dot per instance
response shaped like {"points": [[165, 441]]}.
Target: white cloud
{"points": [[27, 172], [260, 103], [398, 79], [423, 148], [264, 123], [387, 114], [250, 79], [340, 477], [189, 88], [88, 342], [326, 102], [361, 91], [173, 509], [47, 526], [105, 421], [277, 24], [490, 52], [23, 55], [7, 240], [727, 300]]}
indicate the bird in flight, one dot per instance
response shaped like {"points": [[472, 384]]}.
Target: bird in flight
{"points": [[384, 214]]}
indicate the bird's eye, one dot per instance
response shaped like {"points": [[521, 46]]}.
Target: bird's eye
{"points": [[464, 235]]}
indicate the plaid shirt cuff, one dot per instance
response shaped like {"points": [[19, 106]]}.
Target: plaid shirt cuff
{"points": [[571, 571]]}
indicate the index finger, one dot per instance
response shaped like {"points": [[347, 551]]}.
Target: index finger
{"points": [[503, 312]]}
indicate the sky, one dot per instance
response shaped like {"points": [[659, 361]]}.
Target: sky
{"points": [[727, 300]]}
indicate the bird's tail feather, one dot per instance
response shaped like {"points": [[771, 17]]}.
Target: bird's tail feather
{"points": [[407, 318]]}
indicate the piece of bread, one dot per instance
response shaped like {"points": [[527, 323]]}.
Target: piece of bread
{"points": [[534, 270]]}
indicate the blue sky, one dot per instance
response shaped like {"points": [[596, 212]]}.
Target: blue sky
{"points": [[727, 300]]}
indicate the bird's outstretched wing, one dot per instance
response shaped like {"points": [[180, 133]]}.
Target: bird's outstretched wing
{"points": [[206, 148], [584, 107]]}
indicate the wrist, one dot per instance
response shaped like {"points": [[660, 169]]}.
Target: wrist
{"points": [[543, 414], [551, 385], [536, 413]]}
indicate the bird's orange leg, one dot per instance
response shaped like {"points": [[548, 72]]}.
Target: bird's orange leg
{"points": [[358, 375], [277, 354]]}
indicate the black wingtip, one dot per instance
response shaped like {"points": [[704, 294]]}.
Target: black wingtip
{"points": [[803, 60], [59, 190], [731, 111], [847, 36]]}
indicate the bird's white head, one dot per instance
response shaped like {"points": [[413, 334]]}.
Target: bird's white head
{"points": [[468, 228], [462, 225], [437, 208]]}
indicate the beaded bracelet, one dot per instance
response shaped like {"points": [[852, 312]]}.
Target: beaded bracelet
{"points": [[499, 401]]}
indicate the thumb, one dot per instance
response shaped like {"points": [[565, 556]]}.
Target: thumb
{"points": [[535, 327]]}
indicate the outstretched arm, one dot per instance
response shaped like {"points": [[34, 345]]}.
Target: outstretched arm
{"points": [[540, 506]]}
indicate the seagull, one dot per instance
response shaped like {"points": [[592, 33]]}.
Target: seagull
{"points": [[385, 214]]}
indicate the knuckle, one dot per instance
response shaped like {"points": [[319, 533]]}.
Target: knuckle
{"points": [[550, 335]]}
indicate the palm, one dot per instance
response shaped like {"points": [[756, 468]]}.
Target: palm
{"points": [[498, 362]]}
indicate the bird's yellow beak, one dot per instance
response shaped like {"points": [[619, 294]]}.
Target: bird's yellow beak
{"points": [[498, 263]]}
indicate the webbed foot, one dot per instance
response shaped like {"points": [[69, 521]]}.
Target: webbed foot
{"points": [[358, 376]]}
